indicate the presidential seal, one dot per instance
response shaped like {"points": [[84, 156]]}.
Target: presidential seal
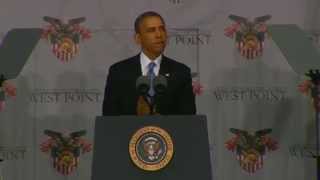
{"points": [[151, 148]]}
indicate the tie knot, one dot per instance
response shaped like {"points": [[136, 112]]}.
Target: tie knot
{"points": [[151, 65]]}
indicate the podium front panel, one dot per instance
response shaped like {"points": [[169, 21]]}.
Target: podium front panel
{"points": [[191, 157]]}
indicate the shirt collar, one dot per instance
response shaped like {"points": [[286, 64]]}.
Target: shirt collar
{"points": [[145, 60]]}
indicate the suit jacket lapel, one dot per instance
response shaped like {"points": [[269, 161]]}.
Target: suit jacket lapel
{"points": [[136, 66], [164, 67]]}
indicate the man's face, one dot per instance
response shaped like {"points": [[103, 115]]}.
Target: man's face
{"points": [[152, 36]]}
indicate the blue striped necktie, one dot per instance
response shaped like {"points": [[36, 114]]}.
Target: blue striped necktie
{"points": [[151, 75]]}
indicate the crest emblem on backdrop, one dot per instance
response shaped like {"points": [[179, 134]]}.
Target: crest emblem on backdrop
{"points": [[251, 148], [65, 37], [151, 148], [65, 149], [249, 35]]}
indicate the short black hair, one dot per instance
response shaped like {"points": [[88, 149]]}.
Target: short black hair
{"points": [[144, 15]]}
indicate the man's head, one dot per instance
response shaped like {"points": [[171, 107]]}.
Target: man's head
{"points": [[151, 33]]}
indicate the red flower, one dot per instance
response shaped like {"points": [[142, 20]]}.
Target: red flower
{"points": [[86, 146], [262, 27], [197, 88], [47, 145], [230, 30], [232, 143], [48, 31], [9, 89], [85, 33], [271, 144], [305, 87]]}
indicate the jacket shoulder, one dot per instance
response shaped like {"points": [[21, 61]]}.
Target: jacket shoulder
{"points": [[178, 65], [123, 64]]}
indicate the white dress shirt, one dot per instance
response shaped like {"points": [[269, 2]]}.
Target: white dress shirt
{"points": [[144, 61]]}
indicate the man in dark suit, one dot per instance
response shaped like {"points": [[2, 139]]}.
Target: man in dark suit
{"points": [[121, 96]]}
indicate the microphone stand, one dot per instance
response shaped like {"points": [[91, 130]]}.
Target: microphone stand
{"points": [[159, 84]]}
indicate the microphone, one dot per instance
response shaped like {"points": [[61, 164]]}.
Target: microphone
{"points": [[160, 84], [143, 85]]}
